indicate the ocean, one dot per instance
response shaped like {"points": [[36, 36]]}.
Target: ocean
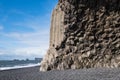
{"points": [[15, 64], [20, 66]]}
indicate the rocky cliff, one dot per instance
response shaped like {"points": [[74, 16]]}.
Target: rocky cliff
{"points": [[84, 34]]}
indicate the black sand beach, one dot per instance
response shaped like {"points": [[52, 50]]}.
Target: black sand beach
{"points": [[84, 74]]}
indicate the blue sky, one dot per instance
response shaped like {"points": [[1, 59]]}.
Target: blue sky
{"points": [[24, 28]]}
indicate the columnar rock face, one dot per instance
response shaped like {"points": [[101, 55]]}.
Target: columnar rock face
{"points": [[57, 27], [84, 34]]}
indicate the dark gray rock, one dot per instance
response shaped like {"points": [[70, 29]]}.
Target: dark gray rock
{"points": [[87, 33]]}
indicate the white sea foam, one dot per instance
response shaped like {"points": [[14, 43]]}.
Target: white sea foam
{"points": [[19, 66]]}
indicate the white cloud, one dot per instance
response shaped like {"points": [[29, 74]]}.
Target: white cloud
{"points": [[35, 38], [3, 51], [34, 43], [25, 52], [29, 51]]}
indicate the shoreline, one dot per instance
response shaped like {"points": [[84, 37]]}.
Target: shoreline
{"points": [[19, 66]]}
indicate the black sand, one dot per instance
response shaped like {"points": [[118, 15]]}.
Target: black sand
{"points": [[34, 74]]}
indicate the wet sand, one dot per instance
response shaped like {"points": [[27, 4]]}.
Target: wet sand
{"points": [[84, 74]]}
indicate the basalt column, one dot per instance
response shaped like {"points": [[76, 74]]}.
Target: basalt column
{"points": [[56, 37], [57, 28], [84, 34]]}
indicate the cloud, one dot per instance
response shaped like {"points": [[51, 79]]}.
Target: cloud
{"points": [[27, 52], [3, 51], [33, 43], [30, 51], [33, 38], [28, 44]]}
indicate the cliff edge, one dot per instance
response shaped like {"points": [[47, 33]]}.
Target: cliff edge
{"points": [[84, 34]]}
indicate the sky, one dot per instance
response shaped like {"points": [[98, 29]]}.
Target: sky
{"points": [[24, 28]]}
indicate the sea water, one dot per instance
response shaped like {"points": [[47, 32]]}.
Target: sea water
{"points": [[20, 66]]}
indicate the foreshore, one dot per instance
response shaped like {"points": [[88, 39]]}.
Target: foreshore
{"points": [[33, 73]]}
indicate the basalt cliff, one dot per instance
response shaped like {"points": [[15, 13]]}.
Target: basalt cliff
{"points": [[84, 34]]}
